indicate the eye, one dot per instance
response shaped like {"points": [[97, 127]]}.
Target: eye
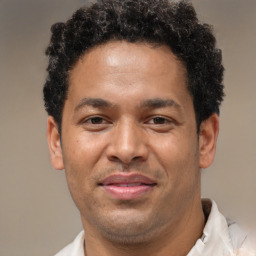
{"points": [[95, 123], [95, 120], [160, 124], [159, 120]]}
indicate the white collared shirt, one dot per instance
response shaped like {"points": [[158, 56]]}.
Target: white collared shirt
{"points": [[220, 237]]}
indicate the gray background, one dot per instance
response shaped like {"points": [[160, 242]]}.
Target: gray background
{"points": [[37, 216]]}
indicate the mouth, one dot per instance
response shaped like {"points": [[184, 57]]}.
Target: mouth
{"points": [[127, 186]]}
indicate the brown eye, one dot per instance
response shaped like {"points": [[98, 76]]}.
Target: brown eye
{"points": [[160, 124], [159, 120], [96, 120], [95, 123]]}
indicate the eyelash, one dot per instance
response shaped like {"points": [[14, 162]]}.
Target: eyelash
{"points": [[94, 118], [159, 118], [97, 118], [163, 120], [157, 123]]}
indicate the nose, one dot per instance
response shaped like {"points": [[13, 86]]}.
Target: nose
{"points": [[127, 143]]}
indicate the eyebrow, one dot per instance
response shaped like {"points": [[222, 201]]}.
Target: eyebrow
{"points": [[150, 103], [160, 103], [93, 102]]}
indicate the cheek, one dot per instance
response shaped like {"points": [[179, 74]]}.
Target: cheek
{"points": [[179, 157], [173, 148], [81, 154], [82, 150]]}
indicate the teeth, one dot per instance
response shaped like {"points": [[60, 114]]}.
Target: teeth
{"points": [[129, 185]]}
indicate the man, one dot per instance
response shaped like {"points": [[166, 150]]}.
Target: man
{"points": [[133, 96]]}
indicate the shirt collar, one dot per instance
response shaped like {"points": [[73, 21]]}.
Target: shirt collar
{"points": [[215, 239]]}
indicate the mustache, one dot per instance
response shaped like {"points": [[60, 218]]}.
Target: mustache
{"points": [[151, 173]]}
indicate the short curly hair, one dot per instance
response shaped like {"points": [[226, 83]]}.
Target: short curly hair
{"points": [[160, 22]]}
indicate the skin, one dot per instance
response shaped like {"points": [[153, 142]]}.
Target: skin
{"points": [[128, 130]]}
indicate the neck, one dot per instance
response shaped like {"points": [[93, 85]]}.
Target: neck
{"points": [[175, 240]]}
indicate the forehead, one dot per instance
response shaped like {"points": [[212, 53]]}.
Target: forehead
{"points": [[124, 57], [126, 69]]}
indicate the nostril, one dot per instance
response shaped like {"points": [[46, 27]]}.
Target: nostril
{"points": [[137, 157], [114, 158]]}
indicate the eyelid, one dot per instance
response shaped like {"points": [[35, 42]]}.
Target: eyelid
{"points": [[168, 119], [92, 117], [87, 125], [86, 120]]}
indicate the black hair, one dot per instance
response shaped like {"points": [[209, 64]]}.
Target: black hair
{"points": [[160, 22]]}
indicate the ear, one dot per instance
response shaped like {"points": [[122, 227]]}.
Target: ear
{"points": [[54, 144], [209, 130]]}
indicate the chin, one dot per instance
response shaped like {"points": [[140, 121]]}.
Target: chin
{"points": [[127, 237], [129, 230]]}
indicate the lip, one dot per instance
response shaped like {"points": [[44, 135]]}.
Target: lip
{"points": [[127, 186]]}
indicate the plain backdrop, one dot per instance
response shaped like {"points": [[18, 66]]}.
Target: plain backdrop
{"points": [[37, 215]]}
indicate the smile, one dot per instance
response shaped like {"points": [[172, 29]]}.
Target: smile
{"points": [[127, 186]]}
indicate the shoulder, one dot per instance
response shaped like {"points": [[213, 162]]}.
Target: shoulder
{"points": [[244, 242], [75, 248], [248, 247], [223, 234]]}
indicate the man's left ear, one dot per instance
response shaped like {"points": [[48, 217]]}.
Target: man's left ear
{"points": [[208, 135]]}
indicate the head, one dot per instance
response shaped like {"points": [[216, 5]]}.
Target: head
{"points": [[173, 24], [133, 94]]}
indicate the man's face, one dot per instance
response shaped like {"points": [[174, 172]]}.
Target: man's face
{"points": [[129, 144]]}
